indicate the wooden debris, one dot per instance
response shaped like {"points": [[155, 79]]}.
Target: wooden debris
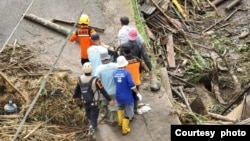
{"points": [[220, 117], [165, 82], [10, 116], [237, 112], [170, 52], [233, 4], [174, 22], [178, 6], [246, 108], [218, 2], [13, 86], [244, 122]]}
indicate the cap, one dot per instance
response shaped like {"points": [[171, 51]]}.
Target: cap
{"points": [[132, 34], [121, 61], [95, 36], [104, 56]]}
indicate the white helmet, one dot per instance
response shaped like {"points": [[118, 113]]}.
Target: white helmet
{"points": [[87, 67]]}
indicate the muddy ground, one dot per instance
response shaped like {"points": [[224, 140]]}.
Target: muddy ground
{"points": [[154, 125]]}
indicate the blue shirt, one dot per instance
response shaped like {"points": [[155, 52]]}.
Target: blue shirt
{"points": [[105, 73], [124, 84]]}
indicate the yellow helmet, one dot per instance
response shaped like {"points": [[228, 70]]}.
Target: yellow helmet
{"points": [[84, 19]]}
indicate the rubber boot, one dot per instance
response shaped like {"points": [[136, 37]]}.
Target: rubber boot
{"points": [[125, 128], [120, 116]]}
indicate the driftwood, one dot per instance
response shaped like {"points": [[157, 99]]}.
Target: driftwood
{"points": [[13, 86], [220, 117]]}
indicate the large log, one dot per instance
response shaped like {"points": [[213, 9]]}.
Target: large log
{"points": [[48, 24]]}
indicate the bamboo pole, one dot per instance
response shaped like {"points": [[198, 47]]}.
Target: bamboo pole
{"points": [[48, 24]]}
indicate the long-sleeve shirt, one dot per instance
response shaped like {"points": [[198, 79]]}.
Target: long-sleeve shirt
{"points": [[139, 51], [82, 35]]}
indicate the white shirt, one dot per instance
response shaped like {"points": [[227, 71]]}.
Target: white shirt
{"points": [[123, 35]]}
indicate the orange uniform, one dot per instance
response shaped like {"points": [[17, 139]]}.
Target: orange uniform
{"points": [[134, 68], [83, 35]]}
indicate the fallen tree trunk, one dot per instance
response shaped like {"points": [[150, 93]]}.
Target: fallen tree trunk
{"points": [[48, 24]]}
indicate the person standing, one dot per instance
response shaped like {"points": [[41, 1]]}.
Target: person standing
{"points": [[133, 67], [82, 35], [95, 50], [124, 30], [105, 73], [140, 51], [124, 96], [137, 47], [91, 108]]}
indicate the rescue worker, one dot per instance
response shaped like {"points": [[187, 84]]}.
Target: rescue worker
{"points": [[133, 67], [82, 35], [105, 73], [124, 96], [140, 51], [92, 108], [95, 50]]}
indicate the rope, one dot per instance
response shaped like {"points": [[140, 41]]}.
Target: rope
{"points": [[46, 78], [4, 45]]}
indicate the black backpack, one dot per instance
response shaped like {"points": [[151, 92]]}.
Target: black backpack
{"points": [[87, 94]]}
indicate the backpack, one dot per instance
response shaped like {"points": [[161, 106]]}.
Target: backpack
{"points": [[87, 94]]}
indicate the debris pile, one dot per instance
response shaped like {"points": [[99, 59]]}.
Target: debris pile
{"points": [[205, 47], [53, 114]]}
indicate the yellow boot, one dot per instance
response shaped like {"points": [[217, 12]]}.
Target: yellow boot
{"points": [[120, 116], [125, 128]]}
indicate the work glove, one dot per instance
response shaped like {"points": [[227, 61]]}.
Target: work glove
{"points": [[139, 96]]}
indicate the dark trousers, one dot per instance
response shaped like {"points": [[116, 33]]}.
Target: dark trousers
{"points": [[136, 99], [92, 113]]}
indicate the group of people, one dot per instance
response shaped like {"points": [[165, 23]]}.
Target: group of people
{"points": [[117, 80]]}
